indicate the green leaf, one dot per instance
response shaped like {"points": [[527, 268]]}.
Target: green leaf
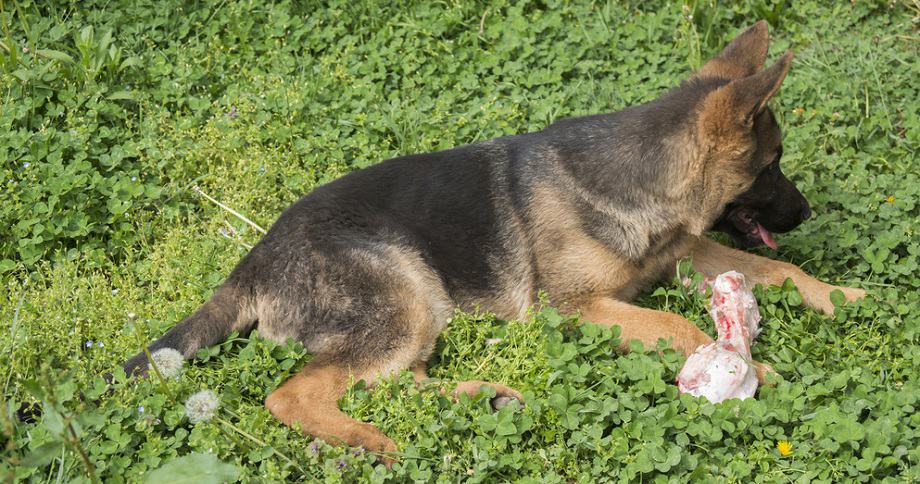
{"points": [[54, 55], [42, 454], [121, 95], [837, 298], [194, 468], [505, 427], [34, 389]]}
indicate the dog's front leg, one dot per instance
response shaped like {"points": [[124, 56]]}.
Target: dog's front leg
{"points": [[647, 325], [712, 258]]}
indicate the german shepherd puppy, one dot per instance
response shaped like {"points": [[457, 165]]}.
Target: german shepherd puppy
{"points": [[367, 270]]}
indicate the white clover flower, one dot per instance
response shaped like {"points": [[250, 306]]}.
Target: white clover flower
{"points": [[201, 406], [168, 361]]}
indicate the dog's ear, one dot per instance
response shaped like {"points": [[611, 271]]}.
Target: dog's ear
{"points": [[742, 57], [737, 103]]}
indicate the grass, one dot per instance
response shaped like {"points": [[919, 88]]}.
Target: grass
{"points": [[112, 112]]}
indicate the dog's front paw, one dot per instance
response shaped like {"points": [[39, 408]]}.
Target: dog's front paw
{"points": [[820, 297]]}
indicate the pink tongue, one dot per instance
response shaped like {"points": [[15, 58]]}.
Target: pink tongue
{"points": [[767, 237]]}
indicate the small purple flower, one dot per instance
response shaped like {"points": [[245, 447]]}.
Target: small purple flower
{"points": [[232, 113], [358, 452], [100, 344], [314, 448], [134, 178], [341, 464], [89, 344], [25, 164], [140, 409], [262, 169]]}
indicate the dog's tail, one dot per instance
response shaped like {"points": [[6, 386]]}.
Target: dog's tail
{"points": [[210, 324]]}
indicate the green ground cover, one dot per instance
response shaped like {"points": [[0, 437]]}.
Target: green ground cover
{"points": [[112, 111]]}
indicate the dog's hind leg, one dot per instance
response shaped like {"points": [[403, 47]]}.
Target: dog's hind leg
{"points": [[648, 325], [712, 258], [309, 400]]}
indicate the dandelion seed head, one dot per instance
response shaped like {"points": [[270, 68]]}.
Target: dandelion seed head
{"points": [[168, 361], [201, 406]]}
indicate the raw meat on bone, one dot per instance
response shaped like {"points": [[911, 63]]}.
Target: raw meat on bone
{"points": [[724, 368]]}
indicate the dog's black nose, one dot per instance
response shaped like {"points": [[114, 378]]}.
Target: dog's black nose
{"points": [[806, 212]]}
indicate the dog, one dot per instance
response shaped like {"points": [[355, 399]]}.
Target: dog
{"points": [[367, 270]]}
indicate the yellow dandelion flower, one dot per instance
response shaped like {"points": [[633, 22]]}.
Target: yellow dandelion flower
{"points": [[890, 199], [784, 447]]}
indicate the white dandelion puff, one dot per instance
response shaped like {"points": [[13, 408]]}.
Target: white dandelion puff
{"points": [[201, 406], [168, 361]]}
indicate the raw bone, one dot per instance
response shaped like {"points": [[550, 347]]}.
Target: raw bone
{"points": [[723, 369]]}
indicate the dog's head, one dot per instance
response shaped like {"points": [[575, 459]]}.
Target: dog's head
{"points": [[772, 204], [744, 143]]}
